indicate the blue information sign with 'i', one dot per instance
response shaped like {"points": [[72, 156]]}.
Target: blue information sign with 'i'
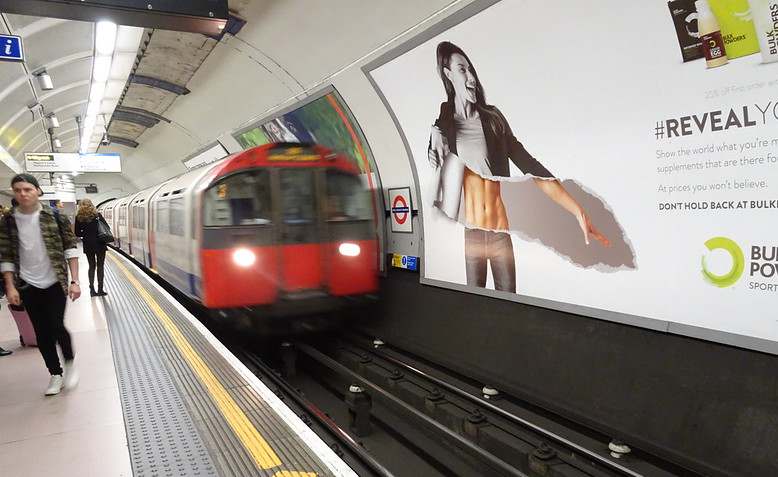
{"points": [[11, 48]]}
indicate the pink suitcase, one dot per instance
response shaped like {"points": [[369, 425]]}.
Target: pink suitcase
{"points": [[26, 331]]}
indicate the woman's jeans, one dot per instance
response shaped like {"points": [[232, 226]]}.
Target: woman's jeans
{"points": [[96, 260], [496, 248]]}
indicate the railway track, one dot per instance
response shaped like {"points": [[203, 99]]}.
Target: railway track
{"points": [[400, 417]]}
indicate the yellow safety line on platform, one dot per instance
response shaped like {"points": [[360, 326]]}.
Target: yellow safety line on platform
{"points": [[255, 444]]}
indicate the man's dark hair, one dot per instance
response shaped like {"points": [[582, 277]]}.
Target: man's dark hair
{"points": [[29, 178]]}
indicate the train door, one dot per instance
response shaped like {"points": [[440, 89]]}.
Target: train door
{"points": [[299, 231], [239, 241], [139, 220], [152, 231]]}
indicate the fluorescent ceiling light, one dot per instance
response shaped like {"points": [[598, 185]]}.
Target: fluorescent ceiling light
{"points": [[105, 38], [128, 38], [93, 108], [102, 68], [54, 120], [97, 92], [57, 143], [122, 65], [114, 89]]}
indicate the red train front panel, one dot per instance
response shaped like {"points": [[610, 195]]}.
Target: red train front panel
{"points": [[270, 233]]}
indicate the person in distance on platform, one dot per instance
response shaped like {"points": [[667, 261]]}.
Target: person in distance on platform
{"points": [[3, 351], [86, 227], [37, 247]]}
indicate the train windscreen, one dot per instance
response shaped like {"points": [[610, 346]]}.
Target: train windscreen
{"points": [[298, 196], [347, 198], [239, 199]]}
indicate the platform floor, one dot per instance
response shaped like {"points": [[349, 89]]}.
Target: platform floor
{"points": [[80, 431], [158, 396]]}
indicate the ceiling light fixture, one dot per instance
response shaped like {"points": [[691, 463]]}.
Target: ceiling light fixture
{"points": [[93, 108], [97, 92], [101, 69], [57, 143], [105, 38], [53, 120], [115, 49], [44, 81]]}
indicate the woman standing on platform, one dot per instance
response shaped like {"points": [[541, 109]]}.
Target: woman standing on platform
{"points": [[86, 227]]}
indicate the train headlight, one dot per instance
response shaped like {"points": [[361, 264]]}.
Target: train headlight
{"points": [[244, 257], [349, 249]]}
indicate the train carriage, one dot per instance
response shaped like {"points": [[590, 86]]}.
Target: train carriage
{"points": [[139, 226], [277, 229]]}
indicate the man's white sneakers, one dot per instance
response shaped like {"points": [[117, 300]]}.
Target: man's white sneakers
{"points": [[71, 375], [57, 382], [55, 385]]}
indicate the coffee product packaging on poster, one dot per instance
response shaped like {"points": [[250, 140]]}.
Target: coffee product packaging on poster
{"points": [[685, 20], [737, 27], [765, 13]]}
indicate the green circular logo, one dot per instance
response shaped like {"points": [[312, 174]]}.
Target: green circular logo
{"points": [[738, 262]]}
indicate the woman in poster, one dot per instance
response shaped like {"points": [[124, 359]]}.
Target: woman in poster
{"points": [[471, 143], [277, 132]]}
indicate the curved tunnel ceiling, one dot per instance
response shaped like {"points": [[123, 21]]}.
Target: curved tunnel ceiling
{"points": [[284, 52]]}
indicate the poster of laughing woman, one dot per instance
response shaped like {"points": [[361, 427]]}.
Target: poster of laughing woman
{"points": [[546, 152]]}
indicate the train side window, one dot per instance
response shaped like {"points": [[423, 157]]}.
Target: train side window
{"points": [[297, 196], [177, 216], [162, 217], [141, 217], [347, 198], [240, 199]]}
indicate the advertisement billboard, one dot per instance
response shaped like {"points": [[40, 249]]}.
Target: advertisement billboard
{"points": [[561, 165], [211, 154]]}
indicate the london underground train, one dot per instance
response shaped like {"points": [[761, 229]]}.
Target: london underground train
{"points": [[276, 230]]}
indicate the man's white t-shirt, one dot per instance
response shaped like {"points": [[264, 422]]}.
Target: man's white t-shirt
{"points": [[34, 263]]}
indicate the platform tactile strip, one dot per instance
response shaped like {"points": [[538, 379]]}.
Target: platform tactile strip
{"points": [[162, 438], [227, 455]]}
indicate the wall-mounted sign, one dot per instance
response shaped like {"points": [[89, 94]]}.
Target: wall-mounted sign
{"points": [[408, 262], [109, 162], [212, 154], [71, 162], [11, 48], [51, 162], [400, 209], [91, 189], [54, 193]]}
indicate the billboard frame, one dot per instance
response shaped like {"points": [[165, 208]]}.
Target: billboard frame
{"points": [[654, 324]]}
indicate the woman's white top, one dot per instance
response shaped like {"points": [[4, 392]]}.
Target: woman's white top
{"points": [[471, 145]]}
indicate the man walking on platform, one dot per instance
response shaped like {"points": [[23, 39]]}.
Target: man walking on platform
{"points": [[36, 241]]}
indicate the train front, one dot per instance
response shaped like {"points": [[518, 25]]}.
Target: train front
{"points": [[287, 231]]}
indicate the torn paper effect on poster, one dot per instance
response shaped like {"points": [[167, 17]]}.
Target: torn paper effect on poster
{"points": [[544, 221]]}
